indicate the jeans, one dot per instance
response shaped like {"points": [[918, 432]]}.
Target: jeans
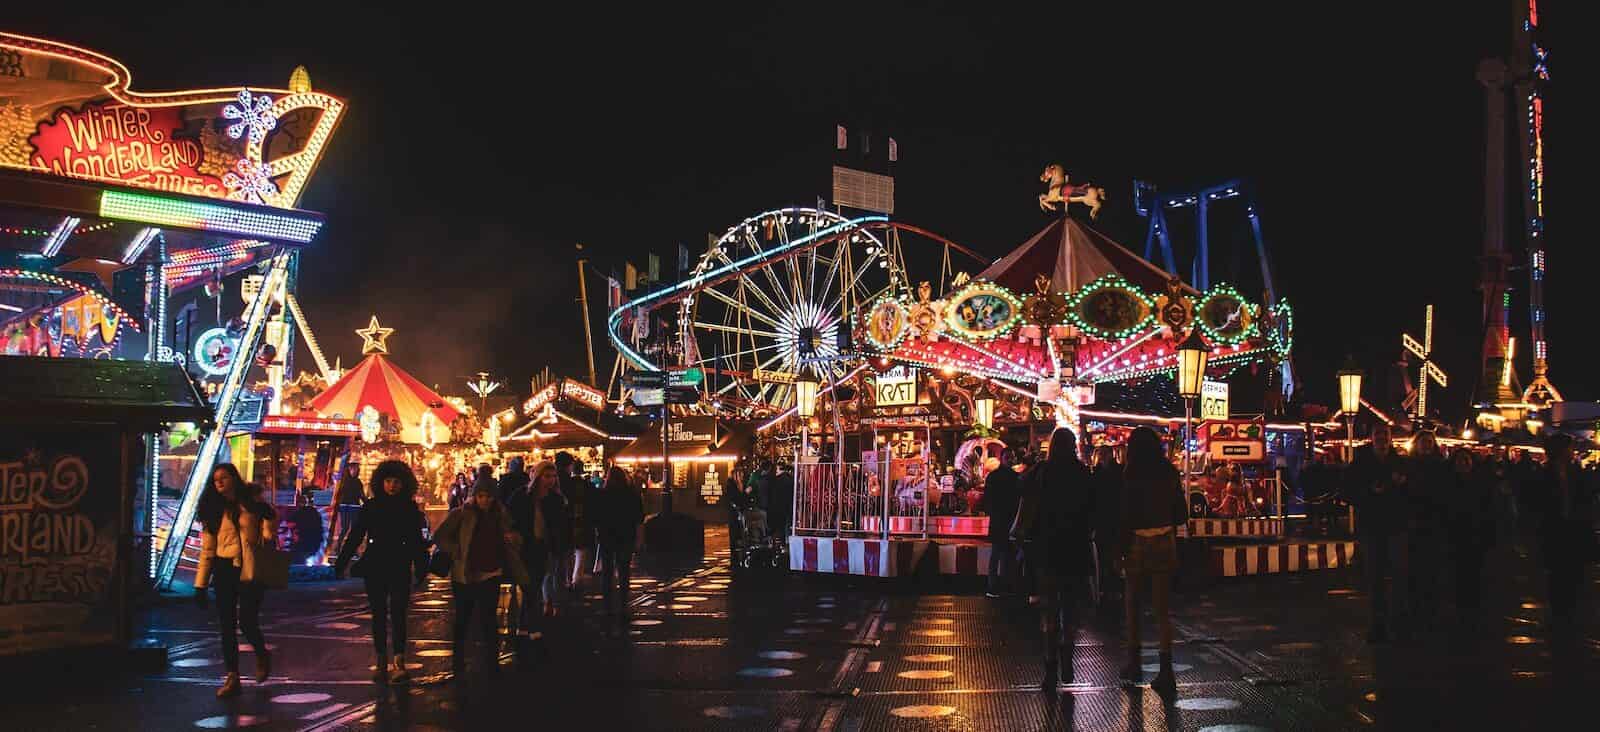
{"points": [[1384, 555], [617, 568], [476, 602], [1002, 567], [238, 607], [347, 518], [387, 597], [1160, 590], [1058, 610]]}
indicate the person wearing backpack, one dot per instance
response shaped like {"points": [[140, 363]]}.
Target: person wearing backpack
{"points": [[1053, 525]]}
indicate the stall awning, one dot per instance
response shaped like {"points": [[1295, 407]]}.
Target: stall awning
{"points": [[36, 389]]}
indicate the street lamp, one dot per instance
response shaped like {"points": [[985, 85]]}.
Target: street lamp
{"points": [[983, 406], [1350, 402], [1192, 356], [805, 405]]}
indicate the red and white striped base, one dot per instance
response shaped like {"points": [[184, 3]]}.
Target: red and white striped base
{"points": [[965, 559], [865, 557], [1205, 528], [1238, 561]]}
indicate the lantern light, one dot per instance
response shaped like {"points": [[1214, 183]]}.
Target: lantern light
{"points": [[1192, 356], [1350, 386], [805, 397]]}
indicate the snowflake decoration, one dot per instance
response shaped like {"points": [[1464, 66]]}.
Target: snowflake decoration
{"points": [[249, 182], [254, 113]]}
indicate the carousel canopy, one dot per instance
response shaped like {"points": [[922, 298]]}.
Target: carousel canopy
{"points": [[387, 388], [1073, 255]]}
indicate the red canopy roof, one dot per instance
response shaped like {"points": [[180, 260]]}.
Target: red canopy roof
{"points": [[385, 386], [1073, 255]]}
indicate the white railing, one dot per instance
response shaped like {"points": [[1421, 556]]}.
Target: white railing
{"points": [[861, 499]]}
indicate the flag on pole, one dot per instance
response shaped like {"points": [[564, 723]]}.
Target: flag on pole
{"points": [[655, 269], [841, 139], [630, 277], [641, 325], [613, 293], [822, 205], [894, 150], [866, 144], [683, 261]]}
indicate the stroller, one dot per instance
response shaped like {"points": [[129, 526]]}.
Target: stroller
{"points": [[757, 547]]}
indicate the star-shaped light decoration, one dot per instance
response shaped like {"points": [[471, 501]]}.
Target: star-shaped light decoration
{"points": [[374, 337]]}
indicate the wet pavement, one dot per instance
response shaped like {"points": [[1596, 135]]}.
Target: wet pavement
{"points": [[704, 650]]}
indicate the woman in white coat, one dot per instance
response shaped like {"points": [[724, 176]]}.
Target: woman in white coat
{"points": [[237, 526]]}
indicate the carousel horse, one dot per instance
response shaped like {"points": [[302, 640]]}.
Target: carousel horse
{"points": [[1060, 191]]}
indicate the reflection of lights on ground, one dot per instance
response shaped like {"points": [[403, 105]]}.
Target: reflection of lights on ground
{"points": [[434, 653], [926, 674], [922, 711], [934, 632], [1207, 704], [931, 658], [935, 621], [781, 655], [1522, 640], [765, 673], [303, 698], [1531, 606]]}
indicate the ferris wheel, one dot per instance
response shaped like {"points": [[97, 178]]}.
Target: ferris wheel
{"points": [[790, 277], [767, 304]]}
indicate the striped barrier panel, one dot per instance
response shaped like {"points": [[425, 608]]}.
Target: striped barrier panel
{"points": [[1232, 527], [970, 560], [864, 557], [1239, 561], [937, 525]]}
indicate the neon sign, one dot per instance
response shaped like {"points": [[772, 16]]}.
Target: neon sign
{"points": [[131, 145]]}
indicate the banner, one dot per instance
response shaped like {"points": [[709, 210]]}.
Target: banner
{"points": [[59, 496]]}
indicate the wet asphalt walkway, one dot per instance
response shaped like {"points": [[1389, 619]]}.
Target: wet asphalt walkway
{"points": [[706, 651]]}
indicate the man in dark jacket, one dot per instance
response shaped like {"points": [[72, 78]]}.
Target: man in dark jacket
{"points": [[578, 493], [349, 497], [513, 480], [1108, 527], [780, 502], [1379, 486], [1002, 491]]}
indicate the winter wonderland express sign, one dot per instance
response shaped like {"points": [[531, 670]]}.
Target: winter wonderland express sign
{"points": [[58, 538], [130, 145]]}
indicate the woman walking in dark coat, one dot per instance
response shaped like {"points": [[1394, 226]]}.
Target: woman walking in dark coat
{"points": [[1471, 528], [539, 513], [1153, 506], [621, 510], [235, 527], [395, 558], [1058, 547]]}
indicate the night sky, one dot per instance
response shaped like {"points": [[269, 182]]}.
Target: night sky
{"points": [[479, 148]]}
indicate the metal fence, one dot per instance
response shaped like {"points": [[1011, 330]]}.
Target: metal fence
{"points": [[861, 499]]}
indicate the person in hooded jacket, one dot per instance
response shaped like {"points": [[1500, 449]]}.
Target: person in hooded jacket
{"points": [[539, 513], [485, 550], [395, 560], [1057, 545], [513, 480], [1378, 482], [1153, 507]]}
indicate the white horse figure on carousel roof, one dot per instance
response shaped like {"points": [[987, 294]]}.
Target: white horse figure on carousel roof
{"points": [[1060, 191]]}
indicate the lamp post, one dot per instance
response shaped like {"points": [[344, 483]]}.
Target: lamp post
{"points": [[1350, 402], [1192, 356], [805, 405]]}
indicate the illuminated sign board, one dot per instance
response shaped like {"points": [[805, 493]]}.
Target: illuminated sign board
{"points": [[129, 145], [896, 387], [777, 377], [1213, 400]]}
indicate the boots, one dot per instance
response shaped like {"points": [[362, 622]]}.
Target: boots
{"points": [[1051, 673], [380, 670], [263, 664], [1065, 664], [1133, 672], [398, 673], [230, 686], [1165, 682]]}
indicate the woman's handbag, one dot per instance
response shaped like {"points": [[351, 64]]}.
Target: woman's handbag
{"points": [[440, 563], [272, 568]]}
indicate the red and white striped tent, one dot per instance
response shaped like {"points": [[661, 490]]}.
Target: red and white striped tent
{"points": [[390, 390]]}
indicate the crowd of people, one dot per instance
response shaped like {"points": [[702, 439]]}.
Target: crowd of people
{"points": [[536, 531], [1419, 513], [1060, 530]]}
